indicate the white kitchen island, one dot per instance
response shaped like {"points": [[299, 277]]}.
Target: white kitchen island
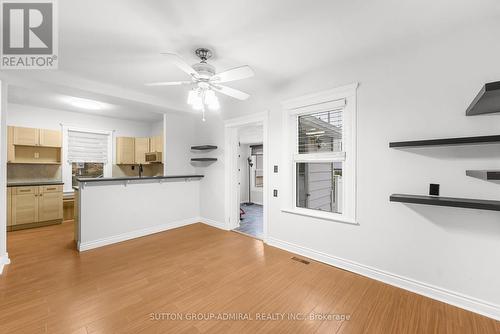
{"points": [[110, 210]]}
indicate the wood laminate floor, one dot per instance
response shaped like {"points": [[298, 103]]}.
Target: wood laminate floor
{"points": [[200, 271]]}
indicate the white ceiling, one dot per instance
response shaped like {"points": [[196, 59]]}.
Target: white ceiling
{"points": [[113, 47]]}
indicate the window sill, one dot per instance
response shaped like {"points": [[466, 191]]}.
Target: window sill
{"points": [[321, 215]]}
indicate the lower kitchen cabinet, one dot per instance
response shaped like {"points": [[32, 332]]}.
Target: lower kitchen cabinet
{"points": [[36, 206]]}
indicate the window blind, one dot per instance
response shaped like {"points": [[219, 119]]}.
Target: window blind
{"points": [[87, 147]]}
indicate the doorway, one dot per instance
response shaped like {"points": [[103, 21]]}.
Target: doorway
{"points": [[246, 175], [251, 181]]}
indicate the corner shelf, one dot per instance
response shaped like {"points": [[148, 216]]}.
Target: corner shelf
{"points": [[467, 203], [204, 147], [484, 174], [487, 100], [203, 159], [495, 139]]}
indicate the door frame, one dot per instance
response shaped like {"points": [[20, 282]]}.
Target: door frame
{"points": [[232, 191]]}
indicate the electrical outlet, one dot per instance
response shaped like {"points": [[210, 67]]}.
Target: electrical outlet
{"points": [[433, 189], [37, 155]]}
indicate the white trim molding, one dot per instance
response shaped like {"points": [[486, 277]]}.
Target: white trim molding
{"points": [[135, 234], [450, 297], [341, 98], [232, 193], [213, 223], [4, 260]]}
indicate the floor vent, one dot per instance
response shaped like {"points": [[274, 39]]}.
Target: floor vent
{"points": [[298, 259]]}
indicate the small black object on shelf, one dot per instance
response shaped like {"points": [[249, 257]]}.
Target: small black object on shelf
{"points": [[433, 189], [484, 174], [495, 139], [204, 147], [203, 159], [467, 203], [487, 101]]}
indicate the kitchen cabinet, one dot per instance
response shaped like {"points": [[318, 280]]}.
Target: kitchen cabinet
{"points": [[156, 144], [35, 205], [50, 204], [33, 146], [50, 138], [24, 205], [10, 144], [141, 148], [9, 207], [26, 136], [125, 150]]}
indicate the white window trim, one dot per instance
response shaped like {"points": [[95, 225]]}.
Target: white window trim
{"points": [[67, 171], [342, 97]]}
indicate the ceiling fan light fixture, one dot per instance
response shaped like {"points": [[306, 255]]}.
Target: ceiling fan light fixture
{"points": [[192, 96]]}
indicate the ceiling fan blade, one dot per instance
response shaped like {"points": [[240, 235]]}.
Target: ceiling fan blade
{"points": [[180, 63], [169, 83], [233, 74], [237, 94]]}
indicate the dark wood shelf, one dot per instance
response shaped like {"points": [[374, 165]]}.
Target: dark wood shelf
{"points": [[484, 174], [487, 100], [468, 203], [448, 141], [204, 147], [203, 159]]}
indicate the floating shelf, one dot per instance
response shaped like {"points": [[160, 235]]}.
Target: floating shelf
{"points": [[448, 141], [203, 159], [479, 204], [484, 174], [204, 147], [487, 100]]}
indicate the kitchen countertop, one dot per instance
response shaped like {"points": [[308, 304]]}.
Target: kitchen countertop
{"points": [[135, 178], [34, 183]]}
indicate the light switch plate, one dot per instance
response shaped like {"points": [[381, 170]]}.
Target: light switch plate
{"points": [[275, 192], [275, 168]]}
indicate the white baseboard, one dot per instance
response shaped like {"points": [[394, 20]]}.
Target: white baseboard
{"points": [[428, 290], [4, 259], [213, 223], [134, 234]]}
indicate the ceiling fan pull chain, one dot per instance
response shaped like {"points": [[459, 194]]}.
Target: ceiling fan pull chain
{"points": [[203, 114]]}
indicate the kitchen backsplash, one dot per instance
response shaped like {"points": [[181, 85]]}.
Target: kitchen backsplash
{"points": [[33, 172], [126, 170]]}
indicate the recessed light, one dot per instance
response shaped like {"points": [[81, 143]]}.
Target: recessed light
{"points": [[86, 103]]}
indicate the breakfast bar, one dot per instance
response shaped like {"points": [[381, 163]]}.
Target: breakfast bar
{"points": [[110, 210]]}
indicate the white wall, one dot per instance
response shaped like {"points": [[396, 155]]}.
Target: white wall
{"points": [[150, 207], [4, 259], [180, 136], [415, 92], [211, 132], [23, 115]]}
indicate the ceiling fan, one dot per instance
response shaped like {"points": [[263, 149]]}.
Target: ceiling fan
{"points": [[205, 81]]}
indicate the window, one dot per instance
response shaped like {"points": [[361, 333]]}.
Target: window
{"points": [[322, 154], [87, 153]]}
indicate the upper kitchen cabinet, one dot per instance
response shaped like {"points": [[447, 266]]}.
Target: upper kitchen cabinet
{"points": [[26, 136], [36, 137], [125, 150], [141, 148], [33, 146], [156, 144], [50, 138]]}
